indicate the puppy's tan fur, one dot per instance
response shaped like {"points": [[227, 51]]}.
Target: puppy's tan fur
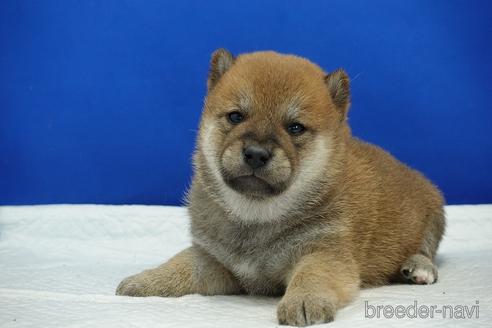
{"points": [[327, 215]]}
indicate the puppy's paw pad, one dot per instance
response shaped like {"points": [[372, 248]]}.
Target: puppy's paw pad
{"points": [[305, 310], [420, 270]]}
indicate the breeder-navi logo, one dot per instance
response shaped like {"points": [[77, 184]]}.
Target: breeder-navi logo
{"points": [[422, 311]]}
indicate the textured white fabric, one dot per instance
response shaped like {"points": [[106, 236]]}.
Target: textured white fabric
{"points": [[60, 265]]}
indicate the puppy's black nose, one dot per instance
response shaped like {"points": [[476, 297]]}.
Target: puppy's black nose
{"points": [[256, 156]]}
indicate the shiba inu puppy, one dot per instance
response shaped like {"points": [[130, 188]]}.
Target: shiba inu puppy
{"points": [[285, 201]]}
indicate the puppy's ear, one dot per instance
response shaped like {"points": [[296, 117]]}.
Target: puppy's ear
{"points": [[338, 84], [221, 60]]}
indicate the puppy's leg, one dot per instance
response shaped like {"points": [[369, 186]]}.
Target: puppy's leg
{"points": [[320, 284], [419, 268], [191, 271]]}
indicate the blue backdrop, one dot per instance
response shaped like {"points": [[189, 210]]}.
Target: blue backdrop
{"points": [[100, 100]]}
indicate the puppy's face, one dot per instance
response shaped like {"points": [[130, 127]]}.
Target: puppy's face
{"points": [[270, 120]]}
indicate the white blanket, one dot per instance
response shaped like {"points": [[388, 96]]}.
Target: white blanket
{"points": [[60, 265]]}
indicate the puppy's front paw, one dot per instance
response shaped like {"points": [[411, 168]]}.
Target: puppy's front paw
{"points": [[306, 309], [132, 286], [155, 282]]}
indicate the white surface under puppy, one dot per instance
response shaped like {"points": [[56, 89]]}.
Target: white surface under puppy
{"points": [[59, 265]]}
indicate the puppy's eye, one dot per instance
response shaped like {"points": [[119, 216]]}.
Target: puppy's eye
{"points": [[235, 117], [296, 128]]}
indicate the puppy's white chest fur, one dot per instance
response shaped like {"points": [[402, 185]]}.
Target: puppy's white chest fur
{"points": [[260, 256], [247, 268], [260, 269]]}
